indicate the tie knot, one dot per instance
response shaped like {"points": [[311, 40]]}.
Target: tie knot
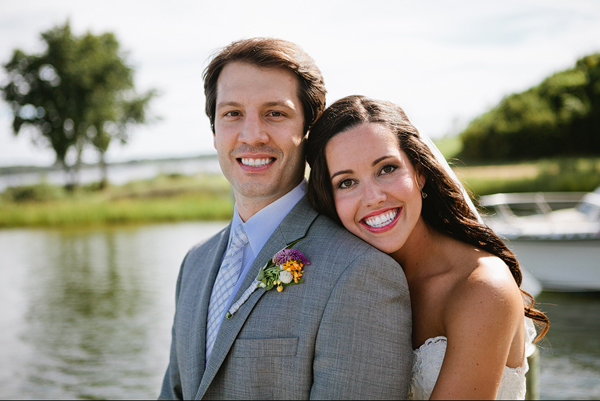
{"points": [[239, 238]]}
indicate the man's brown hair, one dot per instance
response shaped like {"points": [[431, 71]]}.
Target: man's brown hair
{"points": [[270, 53]]}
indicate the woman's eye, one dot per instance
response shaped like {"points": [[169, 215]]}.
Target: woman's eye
{"points": [[388, 169], [345, 184]]}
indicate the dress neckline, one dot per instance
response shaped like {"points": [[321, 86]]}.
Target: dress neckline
{"points": [[443, 339]]}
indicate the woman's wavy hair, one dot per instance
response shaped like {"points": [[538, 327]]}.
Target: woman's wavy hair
{"points": [[445, 209]]}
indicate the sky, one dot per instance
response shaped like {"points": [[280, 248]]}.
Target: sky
{"points": [[444, 62]]}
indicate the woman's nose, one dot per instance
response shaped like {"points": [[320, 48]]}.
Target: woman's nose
{"points": [[374, 194]]}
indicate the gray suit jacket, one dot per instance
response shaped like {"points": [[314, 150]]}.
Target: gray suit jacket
{"points": [[344, 333]]}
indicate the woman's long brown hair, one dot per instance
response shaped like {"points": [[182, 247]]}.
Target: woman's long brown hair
{"points": [[445, 209]]}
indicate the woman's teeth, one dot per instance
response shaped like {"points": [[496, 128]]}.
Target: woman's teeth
{"points": [[382, 219], [256, 162]]}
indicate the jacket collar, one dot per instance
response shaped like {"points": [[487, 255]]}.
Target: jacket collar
{"points": [[293, 227]]}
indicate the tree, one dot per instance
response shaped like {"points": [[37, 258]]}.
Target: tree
{"points": [[559, 117], [79, 92]]}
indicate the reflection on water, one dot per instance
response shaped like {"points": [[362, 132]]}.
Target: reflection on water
{"points": [[87, 314], [571, 355], [90, 312]]}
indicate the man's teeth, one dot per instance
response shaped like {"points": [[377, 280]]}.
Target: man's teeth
{"points": [[382, 219], [256, 162]]}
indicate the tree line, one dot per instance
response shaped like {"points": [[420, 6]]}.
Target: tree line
{"points": [[79, 92], [559, 117]]}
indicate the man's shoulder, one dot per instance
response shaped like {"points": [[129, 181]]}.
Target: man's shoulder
{"points": [[325, 233]]}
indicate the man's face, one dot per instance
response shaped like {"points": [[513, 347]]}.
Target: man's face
{"points": [[259, 136]]}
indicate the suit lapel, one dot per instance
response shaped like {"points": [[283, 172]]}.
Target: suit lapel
{"points": [[293, 227], [199, 312]]}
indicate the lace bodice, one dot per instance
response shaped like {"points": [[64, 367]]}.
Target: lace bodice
{"points": [[428, 363]]}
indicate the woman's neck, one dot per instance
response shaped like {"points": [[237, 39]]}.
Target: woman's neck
{"points": [[421, 255]]}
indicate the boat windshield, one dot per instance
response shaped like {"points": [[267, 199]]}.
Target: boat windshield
{"points": [[590, 205]]}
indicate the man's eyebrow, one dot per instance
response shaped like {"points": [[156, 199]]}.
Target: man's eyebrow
{"points": [[279, 103], [230, 103]]}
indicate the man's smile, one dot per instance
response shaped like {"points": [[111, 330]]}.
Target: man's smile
{"points": [[256, 162]]}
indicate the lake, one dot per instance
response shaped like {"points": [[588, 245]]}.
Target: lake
{"points": [[118, 173], [87, 313]]}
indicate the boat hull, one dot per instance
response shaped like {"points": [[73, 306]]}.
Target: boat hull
{"points": [[560, 265]]}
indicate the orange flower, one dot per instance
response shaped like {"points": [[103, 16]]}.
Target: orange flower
{"points": [[293, 265]]}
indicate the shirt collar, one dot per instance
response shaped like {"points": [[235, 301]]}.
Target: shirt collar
{"points": [[260, 226]]}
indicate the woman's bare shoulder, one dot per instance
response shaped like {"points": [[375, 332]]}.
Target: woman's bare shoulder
{"points": [[486, 293]]}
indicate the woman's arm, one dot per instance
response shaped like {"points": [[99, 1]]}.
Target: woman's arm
{"points": [[482, 317]]}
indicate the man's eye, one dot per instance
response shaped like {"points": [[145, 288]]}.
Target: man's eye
{"points": [[232, 113], [276, 114]]}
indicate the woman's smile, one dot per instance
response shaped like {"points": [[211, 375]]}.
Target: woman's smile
{"points": [[382, 220]]}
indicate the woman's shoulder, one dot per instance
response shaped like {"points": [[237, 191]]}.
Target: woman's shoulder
{"points": [[486, 291]]}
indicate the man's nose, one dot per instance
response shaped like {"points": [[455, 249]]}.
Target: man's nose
{"points": [[254, 131]]}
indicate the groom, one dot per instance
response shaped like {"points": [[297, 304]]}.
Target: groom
{"points": [[344, 330]]}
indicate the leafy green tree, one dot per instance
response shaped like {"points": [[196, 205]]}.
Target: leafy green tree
{"points": [[79, 91], [559, 117]]}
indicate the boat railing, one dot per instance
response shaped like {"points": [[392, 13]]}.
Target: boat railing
{"points": [[511, 205]]}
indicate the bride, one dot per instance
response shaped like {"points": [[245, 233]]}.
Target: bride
{"points": [[375, 174]]}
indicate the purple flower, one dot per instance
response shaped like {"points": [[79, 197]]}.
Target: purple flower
{"points": [[287, 255]]}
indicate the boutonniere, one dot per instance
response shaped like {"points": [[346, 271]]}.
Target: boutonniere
{"points": [[285, 268]]}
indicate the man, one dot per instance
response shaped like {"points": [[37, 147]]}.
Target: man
{"points": [[344, 331]]}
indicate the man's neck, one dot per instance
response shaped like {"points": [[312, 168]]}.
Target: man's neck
{"points": [[248, 207]]}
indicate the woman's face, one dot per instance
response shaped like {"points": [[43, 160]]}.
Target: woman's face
{"points": [[375, 187]]}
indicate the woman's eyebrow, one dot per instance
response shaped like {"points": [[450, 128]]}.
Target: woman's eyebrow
{"points": [[375, 162], [382, 158], [340, 172]]}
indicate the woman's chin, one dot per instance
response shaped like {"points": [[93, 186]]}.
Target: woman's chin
{"points": [[385, 242], [389, 246]]}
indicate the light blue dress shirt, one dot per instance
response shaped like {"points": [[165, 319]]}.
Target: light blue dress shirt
{"points": [[260, 227]]}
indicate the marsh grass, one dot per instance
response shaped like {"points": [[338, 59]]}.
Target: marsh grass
{"points": [[555, 175], [165, 198], [208, 197]]}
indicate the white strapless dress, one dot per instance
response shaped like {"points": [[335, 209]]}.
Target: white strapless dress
{"points": [[428, 361]]}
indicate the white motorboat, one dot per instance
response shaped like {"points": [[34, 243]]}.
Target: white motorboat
{"points": [[555, 236]]}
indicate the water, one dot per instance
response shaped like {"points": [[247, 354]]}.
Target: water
{"points": [[87, 313], [117, 173]]}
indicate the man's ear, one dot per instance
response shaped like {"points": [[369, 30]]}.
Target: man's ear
{"points": [[215, 140]]}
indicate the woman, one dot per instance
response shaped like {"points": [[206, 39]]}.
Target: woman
{"points": [[372, 172]]}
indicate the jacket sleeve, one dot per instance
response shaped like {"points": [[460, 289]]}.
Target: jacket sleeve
{"points": [[363, 348], [171, 387]]}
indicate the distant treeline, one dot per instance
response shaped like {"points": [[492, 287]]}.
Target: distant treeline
{"points": [[39, 169], [559, 117]]}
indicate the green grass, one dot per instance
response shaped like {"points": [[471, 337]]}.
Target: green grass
{"points": [[551, 175], [165, 198], [554, 175], [209, 197]]}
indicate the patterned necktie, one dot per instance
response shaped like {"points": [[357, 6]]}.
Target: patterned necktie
{"points": [[224, 284]]}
